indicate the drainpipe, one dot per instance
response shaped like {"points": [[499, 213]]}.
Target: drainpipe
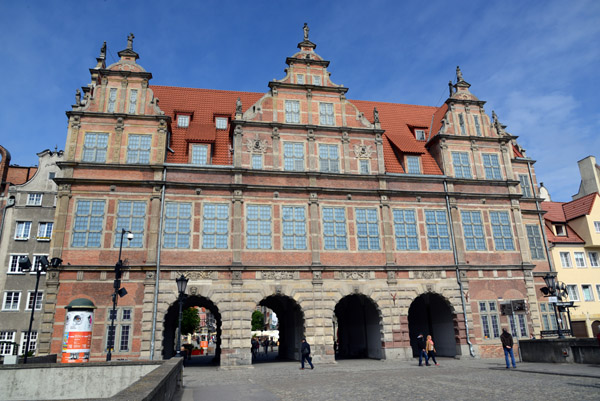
{"points": [[157, 274], [542, 225], [458, 280], [10, 202]]}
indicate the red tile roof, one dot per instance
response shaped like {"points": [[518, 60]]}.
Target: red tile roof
{"points": [[579, 207], [396, 120], [570, 238], [437, 119], [516, 152], [554, 211]]}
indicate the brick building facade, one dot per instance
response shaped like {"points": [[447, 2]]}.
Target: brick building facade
{"points": [[357, 222]]}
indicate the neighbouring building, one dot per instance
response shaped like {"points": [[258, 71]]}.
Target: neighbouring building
{"points": [[590, 177], [573, 231], [28, 217], [358, 223]]}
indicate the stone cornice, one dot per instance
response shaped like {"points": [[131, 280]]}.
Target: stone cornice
{"points": [[306, 127], [314, 88], [463, 138], [115, 116], [308, 61], [127, 74]]}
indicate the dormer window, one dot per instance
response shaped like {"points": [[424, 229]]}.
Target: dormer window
{"points": [[183, 121], [413, 165], [561, 230], [221, 123], [420, 134]]}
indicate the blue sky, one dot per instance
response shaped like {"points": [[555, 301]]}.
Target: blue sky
{"points": [[535, 63]]}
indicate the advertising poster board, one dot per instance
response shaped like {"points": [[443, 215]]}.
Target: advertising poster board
{"points": [[77, 339]]}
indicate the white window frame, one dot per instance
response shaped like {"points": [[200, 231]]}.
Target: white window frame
{"points": [[38, 302], [364, 166], [45, 234], [461, 164], [215, 226], [420, 135], [23, 230], [7, 336], [12, 302], [95, 147], [293, 227], [490, 319], [259, 230], [13, 264], [221, 122], [589, 287], [293, 156], [597, 226], [35, 199], [413, 164], [560, 230], [120, 322], [565, 260], [326, 114], [316, 80], [32, 342], [89, 223], [292, 111], [573, 292], [183, 120], [491, 166], [598, 291], [139, 147], [579, 259], [594, 260], [37, 264], [367, 229], [329, 158], [196, 158]]}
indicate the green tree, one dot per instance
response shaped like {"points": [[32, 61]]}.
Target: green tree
{"points": [[257, 320], [190, 321]]}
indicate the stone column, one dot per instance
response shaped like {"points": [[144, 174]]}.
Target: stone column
{"points": [[72, 137], [142, 107], [147, 311], [506, 149], [48, 312], [314, 231], [478, 172], [154, 237], [457, 229], [236, 315], [236, 235]]}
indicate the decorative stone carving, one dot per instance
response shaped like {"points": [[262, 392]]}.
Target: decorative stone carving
{"points": [[305, 29], [130, 41], [257, 145], [236, 276], [149, 275], [375, 115], [193, 290], [345, 137], [317, 275], [363, 151], [313, 198], [197, 275], [309, 93], [275, 134], [238, 106], [78, 97], [120, 125], [427, 274], [355, 275], [459, 76], [311, 135], [277, 275]]}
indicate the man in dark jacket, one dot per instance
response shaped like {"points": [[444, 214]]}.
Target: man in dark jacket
{"points": [[422, 352], [305, 351], [507, 345]]}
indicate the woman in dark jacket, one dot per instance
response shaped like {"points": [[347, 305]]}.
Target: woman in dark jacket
{"points": [[305, 351]]}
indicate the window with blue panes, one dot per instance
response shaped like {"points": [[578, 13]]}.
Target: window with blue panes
{"points": [[525, 187], [132, 101], [367, 229], [491, 166], [292, 111], [294, 227], [364, 166], [199, 155], [257, 161], [535, 242], [438, 236], [477, 126], [258, 227], [413, 165], [502, 232], [112, 98], [293, 156], [405, 229], [328, 158], [461, 121], [178, 222], [130, 216], [334, 228], [326, 113], [94, 147], [215, 226], [488, 311], [461, 164], [89, 221], [473, 231], [518, 325], [138, 149]]}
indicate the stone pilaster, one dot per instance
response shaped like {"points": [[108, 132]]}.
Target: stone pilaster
{"points": [[346, 153], [312, 151], [236, 240], [276, 145], [388, 232], [237, 146], [380, 156], [314, 231]]}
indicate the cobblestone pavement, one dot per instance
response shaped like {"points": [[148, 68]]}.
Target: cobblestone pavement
{"points": [[464, 379]]}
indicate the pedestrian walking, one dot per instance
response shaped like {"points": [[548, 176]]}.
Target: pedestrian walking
{"points": [[305, 351], [507, 345], [266, 345], [430, 348], [254, 347], [422, 351]]}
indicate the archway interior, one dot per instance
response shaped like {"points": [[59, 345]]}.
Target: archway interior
{"points": [[595, 328], [291, 325], [358, 331], [430, 314], [171, 323]]}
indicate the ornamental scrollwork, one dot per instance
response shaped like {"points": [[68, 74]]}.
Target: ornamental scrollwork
{"points": [[277, 275], [196, 275], [257, 145], [355, 275], [363, 151]]}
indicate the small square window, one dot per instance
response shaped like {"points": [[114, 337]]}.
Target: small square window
{"points": [[364, 166], [257, 161], [221, 123], [420, 135], [316, 80], [183, 121], [51, 175], [561, 230]]}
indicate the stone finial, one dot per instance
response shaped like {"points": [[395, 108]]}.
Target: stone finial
{"points": [[450, 86], [375, 115], [459, 76], [238, 106], [78, 97], [103, 51], [130, 41], [305, 29]]}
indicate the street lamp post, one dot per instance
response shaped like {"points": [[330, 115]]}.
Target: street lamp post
{"points": [[181, 285], [119, 292], [25, 265], [552, 285]]}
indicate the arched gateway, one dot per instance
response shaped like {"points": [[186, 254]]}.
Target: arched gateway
{"points": [[430, 313], [358, 331], [171, 322], [291, 324]]}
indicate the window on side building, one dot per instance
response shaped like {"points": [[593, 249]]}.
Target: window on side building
{"points": [[34, 199], [573, 292], [593, 257], [565, 259], [588, 292]]}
